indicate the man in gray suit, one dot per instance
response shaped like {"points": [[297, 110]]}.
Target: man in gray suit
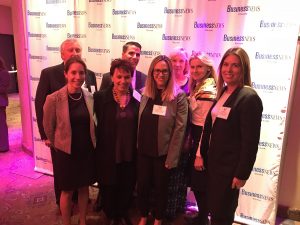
{"points": [[132, 53]]}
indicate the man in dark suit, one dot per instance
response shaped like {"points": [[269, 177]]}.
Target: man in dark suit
{"points": [[51, 80], [132, 53]]}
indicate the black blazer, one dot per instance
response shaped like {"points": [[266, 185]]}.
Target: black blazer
{"points": [[231, 144], [105, 111], [139, 81], [51, 80]]}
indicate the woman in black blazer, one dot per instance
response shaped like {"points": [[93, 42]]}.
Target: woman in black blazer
{"points": [[116, 111], [231, 135]]}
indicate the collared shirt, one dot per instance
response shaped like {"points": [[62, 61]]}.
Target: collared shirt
{"points": [[133, 80]]}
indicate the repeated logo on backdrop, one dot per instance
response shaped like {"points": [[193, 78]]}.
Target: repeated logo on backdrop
{"points": [[99, 51], [150, 54], [269, 87], [98, 26], [178, 11], [123, 12], [37, 57], [149, 26], [76, 13], [38, 36], [52, 48], [56, 25], [208, 25], [242, 9]]}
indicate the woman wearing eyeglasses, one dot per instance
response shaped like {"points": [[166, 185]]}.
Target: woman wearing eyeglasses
{"points": [[162, 121], [202, 86]]}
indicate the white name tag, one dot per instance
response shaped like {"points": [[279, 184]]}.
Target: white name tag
{"points": [[159, 110], [83, 86], [93, 88], [137, 95], [224, 112]]}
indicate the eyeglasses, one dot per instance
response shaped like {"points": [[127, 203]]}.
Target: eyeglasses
{"points": [[158, 71]]}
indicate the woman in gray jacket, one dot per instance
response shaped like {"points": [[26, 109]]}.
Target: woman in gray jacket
{"points": [[69, 127], [162, 121]]}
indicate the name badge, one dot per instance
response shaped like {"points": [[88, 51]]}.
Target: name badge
{"points": [[93, 89], [224, 112], [83, 86], [159, 110], [137, 95]]}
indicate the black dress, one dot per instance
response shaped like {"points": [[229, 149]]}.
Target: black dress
{"points": [[76, 170]]}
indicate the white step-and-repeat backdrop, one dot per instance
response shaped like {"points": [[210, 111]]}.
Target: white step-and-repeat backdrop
{"points": [[267, 30]]}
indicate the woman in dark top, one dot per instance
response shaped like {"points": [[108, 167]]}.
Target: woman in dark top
{"points": [[69, 127], [231, 135], [162, 121], [117, 111]]}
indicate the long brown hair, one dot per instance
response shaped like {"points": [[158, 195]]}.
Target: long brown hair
{"points": [[150, 90], [245, 64]]}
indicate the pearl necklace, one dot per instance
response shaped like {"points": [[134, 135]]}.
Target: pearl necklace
{"points": [[123, 101], [75, 99]]}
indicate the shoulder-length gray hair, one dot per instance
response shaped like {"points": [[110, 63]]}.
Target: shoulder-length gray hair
{"points": [[150, 90], [181, 52]]}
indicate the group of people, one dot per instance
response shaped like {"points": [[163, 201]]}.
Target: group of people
{"points": [[159, 133]]}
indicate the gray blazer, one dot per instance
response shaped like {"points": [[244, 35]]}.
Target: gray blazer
{"points": [[56, 120], [171, 127]]}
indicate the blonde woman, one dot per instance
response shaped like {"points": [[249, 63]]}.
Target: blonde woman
{"points": [[202, 95], [162, 121]]}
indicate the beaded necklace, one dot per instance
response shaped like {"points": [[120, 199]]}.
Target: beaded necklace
{"points": [[123, 101]]}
